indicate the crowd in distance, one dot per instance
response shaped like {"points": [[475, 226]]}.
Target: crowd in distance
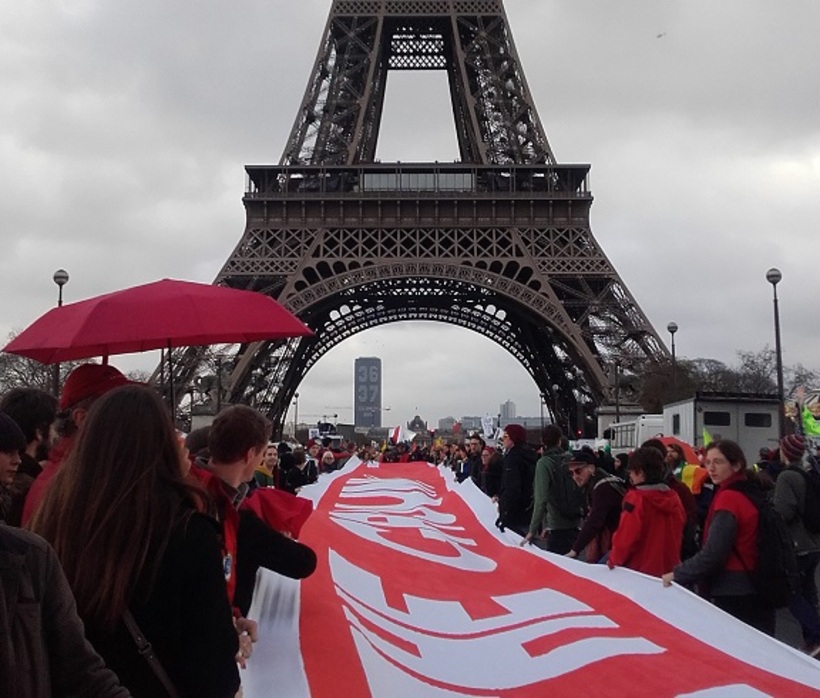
{"points": [[129, 553]]}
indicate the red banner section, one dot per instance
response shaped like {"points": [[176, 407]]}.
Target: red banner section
{"points": [[414, 596]]}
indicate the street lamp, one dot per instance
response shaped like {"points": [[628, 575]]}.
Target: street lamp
{"points": [[61, 279], [672, 327], [617, 391], [295, 414], [773, 276]]}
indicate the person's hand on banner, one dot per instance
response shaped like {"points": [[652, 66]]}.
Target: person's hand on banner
{"points": [[248, 631], [668, 578]]}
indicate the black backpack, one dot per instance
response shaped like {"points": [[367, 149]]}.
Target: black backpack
{"points": [[810, 516], [568, 498], [776, 577]]}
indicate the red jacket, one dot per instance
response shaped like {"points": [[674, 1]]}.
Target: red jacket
{"points": [[648, 538], [745, 513], [42, 482]]}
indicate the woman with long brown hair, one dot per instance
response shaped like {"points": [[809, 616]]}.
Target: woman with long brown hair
{"points": [[722, 568], [122, 518]]}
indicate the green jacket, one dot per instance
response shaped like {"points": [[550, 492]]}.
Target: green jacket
{"points": [[545, 514]]}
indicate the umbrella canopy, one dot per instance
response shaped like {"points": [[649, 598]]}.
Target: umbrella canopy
{"points": [[688, 452], [162, 314]]}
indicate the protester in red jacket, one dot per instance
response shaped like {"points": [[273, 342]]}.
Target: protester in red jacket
{"points": [[648, 537], [722, 568]]}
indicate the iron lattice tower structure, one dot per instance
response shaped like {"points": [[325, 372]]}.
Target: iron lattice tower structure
{"points": [[499, 242]]}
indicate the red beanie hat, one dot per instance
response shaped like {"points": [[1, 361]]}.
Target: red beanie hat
{"points": [[517, 433], [793, 447]]}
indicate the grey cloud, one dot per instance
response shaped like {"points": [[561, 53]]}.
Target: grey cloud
{"points": [[125, 127]]}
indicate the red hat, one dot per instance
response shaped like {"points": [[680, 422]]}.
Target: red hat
{"points": [[517, 433], [793, 447], [90, 380]]}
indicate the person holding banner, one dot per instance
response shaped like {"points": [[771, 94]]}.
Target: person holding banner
{"points": [[650, 530], [791, 499], [721, 567], [604, 495], [142, 563], [515, 497]]}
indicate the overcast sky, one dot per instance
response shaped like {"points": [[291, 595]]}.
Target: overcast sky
{"points": [[125, 128]]}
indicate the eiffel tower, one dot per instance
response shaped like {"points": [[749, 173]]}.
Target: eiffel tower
{"points": [[498, 242]]}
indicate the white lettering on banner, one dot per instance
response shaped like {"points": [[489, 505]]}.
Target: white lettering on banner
{"points": [[437, 628], [414, 509]]}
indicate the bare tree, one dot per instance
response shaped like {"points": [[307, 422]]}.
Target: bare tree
{"points": [[756, 372]]}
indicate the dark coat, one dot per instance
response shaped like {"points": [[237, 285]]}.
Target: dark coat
{"points": [[299, 477], [604, 495], [258, 545], [43, 650], [491, 476], [515, 497], [25, 476], [186, 618]]}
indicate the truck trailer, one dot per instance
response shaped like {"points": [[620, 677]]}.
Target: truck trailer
{"points": [[750, 419]]}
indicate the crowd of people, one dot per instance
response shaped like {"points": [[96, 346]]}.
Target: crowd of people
{"points": [[129, 553], [134, 570], [695, 524]]}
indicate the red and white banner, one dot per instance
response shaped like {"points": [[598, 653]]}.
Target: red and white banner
{"points": [[417, 594]]}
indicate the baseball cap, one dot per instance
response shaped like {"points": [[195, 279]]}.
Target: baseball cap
{"points": [[90, 380]]}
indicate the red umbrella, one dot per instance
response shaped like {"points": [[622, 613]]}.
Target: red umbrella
{"points": [[688, 452], [162, 314]]}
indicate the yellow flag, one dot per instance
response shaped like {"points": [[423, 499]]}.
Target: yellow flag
{"points": [[707, 437]]}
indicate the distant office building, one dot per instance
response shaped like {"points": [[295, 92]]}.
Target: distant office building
{"points": [[471, 423], [527, 422], [507, 411], [367, 388], [446, 424]]}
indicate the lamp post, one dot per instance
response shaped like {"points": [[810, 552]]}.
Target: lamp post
{"points": [[580, 428], [672, 327], [295, 414], [559, 415], [61, 279], [773, 276], [617, 391]]}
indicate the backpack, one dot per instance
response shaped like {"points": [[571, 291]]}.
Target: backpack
{"points": [[810, 516], [618, 485], [776, 577], [567, 497]]}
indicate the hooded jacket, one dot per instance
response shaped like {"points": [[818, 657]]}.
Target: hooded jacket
{"points": [[649, 534], [790, 493]]}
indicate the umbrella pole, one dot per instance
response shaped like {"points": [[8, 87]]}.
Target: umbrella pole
{"points": [[171, 384]]}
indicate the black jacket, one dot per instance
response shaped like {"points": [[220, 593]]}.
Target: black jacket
{"points": [[187, 619], [43, 650], [515, 497], [258, 545]]}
